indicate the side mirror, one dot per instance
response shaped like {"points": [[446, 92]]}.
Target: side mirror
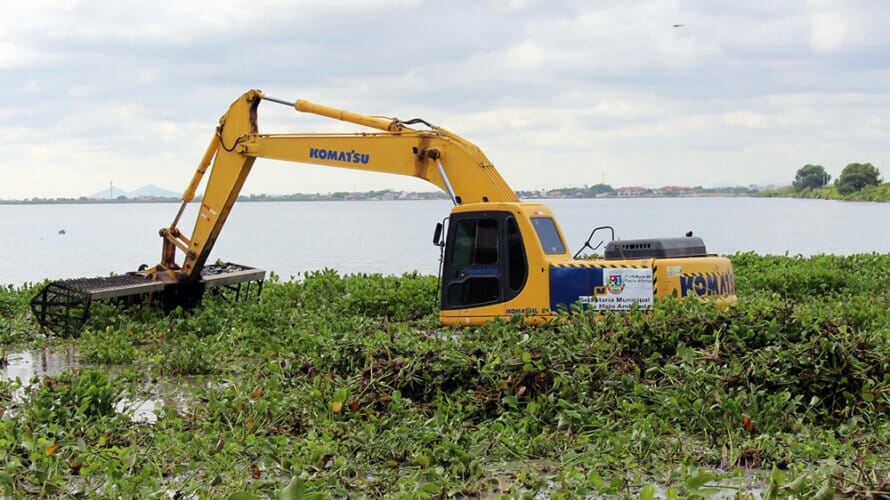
{"points": [[437, 235]]}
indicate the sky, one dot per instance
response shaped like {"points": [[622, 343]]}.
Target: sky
{"points": [[573, 93]]}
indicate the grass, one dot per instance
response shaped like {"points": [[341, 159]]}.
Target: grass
{"points": [[345, 385]]}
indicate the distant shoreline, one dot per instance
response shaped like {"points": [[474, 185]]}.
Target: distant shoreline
{"points": [[277, 200], [592, 192], [877, 194]]}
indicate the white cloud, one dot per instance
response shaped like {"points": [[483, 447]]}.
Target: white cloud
{"points": [[745, 119], [830, 31], [525, 56], [513, 6], [8, 55]]}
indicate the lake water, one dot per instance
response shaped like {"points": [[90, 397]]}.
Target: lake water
{"points": [[393, 237]]}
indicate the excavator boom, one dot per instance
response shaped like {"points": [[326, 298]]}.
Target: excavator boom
{"points": [[438, 156]]}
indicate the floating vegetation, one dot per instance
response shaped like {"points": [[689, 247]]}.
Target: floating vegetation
{"points": [[346, 385]]}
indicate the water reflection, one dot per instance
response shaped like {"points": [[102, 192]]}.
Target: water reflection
{"points": [[173, 394], [41, 363]]}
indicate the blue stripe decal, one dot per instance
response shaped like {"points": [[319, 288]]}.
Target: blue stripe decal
{"points": [[569, 284]]}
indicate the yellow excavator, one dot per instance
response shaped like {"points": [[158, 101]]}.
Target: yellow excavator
{"points": [[500, 257]]}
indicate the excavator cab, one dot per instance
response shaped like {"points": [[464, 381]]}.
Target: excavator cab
{"points": [[484, 261], [510, 259]]}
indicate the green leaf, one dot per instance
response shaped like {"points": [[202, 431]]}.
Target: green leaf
{"points": [[798, 484], [340, 395], [431, 488], [706, 492], [595, 480], [699, 480], [777, 476], [648, 492], [295, 490], [242, 495], [826, 492]]}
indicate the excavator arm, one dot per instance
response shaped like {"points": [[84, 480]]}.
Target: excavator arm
{"points": [[436, 155]]}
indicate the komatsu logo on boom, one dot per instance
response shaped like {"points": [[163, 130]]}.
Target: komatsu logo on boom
{"points": [[335, 155]]}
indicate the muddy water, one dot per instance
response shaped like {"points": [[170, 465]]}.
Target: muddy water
{"points": [[171, 393], [26, 365], [42, 363], [729, 485]]}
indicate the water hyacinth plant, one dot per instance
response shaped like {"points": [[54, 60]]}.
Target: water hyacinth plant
{"points": [[345, 385]]}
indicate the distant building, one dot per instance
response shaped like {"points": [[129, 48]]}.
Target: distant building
{"points": [[673, 191], [630, 191]]}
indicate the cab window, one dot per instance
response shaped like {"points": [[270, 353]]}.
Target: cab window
{"points": [[548, 235], [475, 242]]}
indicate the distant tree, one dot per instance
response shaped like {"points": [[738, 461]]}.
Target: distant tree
{"points": [[600, 189], [810, 177], [856, 176]]}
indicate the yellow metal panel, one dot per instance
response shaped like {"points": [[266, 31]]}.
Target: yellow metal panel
{"points": [[227, 175], [705, 277]]}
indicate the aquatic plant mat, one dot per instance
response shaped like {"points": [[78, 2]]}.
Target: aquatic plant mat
{"points": [[346, 386]]}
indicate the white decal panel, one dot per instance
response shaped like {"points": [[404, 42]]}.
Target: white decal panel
{"points": [[622, 288]]}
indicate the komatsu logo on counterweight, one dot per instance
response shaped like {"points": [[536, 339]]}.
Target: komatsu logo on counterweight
{"points": [[707, 284], [335, 155]]}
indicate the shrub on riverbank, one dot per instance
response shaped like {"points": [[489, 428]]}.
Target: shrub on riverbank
{"points": [[880, 192]]}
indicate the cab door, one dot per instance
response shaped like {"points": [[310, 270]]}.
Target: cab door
{"points": [[485, 262]]}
